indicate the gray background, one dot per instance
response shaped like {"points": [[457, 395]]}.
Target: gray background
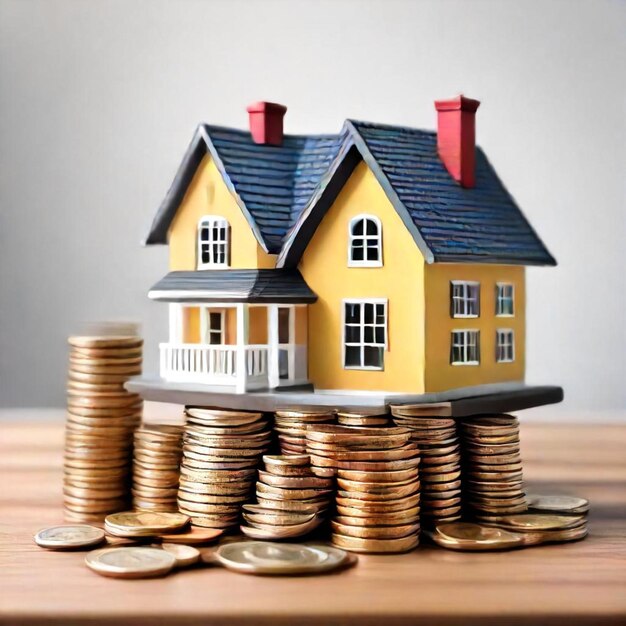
{"points": [[98, 101]]}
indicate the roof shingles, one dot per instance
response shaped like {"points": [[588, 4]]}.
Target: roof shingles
{"points": [[278, 186]]}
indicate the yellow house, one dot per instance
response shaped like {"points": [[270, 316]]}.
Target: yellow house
{"points": [[381, 259]]}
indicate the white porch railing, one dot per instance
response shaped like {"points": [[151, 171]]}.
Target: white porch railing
{"points": [[214, 364]]}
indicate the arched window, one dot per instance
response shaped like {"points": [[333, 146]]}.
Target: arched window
{"points": [[213, 242], [365, 248]]}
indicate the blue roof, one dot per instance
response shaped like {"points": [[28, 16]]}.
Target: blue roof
{"points": [[285, 190], [274, 182]]}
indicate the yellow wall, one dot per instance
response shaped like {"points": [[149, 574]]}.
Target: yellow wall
{"points": [[191, 324], [257, 328], [324, 266], [208, 195], [302, 325], [440, 374]]}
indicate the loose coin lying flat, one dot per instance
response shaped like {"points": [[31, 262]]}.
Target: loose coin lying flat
{"points": [[534, 521], [69, 537], [264, 557], [194, 535], [184, 555], [131, 562], [469, 536], [141, 523], [557, 504]]}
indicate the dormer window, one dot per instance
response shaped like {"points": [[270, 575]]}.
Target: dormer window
{"points": [[365, 248], [213, 242]]}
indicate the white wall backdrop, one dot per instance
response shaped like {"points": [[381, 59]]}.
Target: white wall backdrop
{"points": [[98, 101]]}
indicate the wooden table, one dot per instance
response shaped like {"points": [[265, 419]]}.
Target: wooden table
{"points": [[582, 582]]}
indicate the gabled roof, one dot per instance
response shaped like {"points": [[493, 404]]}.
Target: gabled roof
{"points": [[284, 192], [269, 286], [271, 184], [449, 223]]}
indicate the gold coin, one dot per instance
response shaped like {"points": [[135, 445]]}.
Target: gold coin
{"points": [[217, 521], [557, 504], [193, 536], [469, 536], [146, 523], [105, 341], [405, 452], [535, 538], [295, 506], [291, 494], [261, 557], [294, 482], [207, 508], [256, 514], [356, 517], [97, 378], [358, 544], [399, 504], [375, 532], [106, 353], [130, 562], [184, 555], [216, 489], [212, 498], [528, 522], [392, 476], [69, 537]]}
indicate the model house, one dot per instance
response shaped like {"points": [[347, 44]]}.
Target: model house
{"points": [[382, 258]]}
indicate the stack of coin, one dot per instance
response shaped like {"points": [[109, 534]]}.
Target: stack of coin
{"points": [[440, 471], [356, 417], [101, 418], [291, 425], [378, 495], [138, 524], [156, 467], [291, 499], [492, 472], [221, 452]]}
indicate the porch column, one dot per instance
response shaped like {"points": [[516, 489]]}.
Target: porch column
{"points": [[176, 322], [272, 341], [243, 328]]}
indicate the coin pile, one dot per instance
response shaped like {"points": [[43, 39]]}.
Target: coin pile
{"points": [[156, 466], [437, 440], [101, 418], [291, 499], [492, 476], [291, 425], [378, 497], [221, 452], [363, 418]]}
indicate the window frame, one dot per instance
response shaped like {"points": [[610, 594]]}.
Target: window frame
{"points": [[205, 329], [499, 299], [365, 237], [466, 332], [465, 298], [211, 221], [501, 332], [362, 344]]}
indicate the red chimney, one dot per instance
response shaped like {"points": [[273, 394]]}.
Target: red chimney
{"points": [[456, 137], [266, 122]]}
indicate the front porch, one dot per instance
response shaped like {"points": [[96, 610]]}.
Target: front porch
{"points": [[245, 346], [240, 330]]}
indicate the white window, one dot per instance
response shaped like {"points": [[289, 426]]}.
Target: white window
{"points": [[465, 348], [365, 247], [365, 334], [464, 298], [213, 327], [213, 242], [505, 305], [505, 345]]}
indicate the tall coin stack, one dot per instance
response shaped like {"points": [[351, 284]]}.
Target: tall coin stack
{"points": [[438, 443], [291, 425], [101, 418], [492, 472], [378, 497], [221, 452], [156, 467]]}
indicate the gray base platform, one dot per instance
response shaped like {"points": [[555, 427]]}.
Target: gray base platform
{"points": [[497, 398]]}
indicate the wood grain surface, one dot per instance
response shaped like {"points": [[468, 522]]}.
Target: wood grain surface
{"points": [[583, 582]]}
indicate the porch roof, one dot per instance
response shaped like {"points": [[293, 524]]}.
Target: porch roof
{"points": [[271, 286]]}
